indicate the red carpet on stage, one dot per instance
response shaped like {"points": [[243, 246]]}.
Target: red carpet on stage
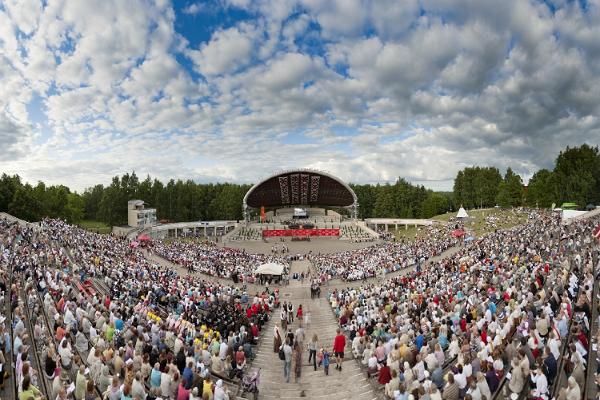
{"points": [[300, 232]]}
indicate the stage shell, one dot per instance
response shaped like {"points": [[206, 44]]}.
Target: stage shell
{"points": [[301, 187]]}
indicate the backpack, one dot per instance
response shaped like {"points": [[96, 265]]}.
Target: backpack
{"points": [[281, 354]]}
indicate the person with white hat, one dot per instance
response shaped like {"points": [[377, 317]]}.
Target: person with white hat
{"points": [[221, 392]]}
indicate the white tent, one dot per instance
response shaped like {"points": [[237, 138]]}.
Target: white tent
{"points": [[269, 269], [462, 213]]}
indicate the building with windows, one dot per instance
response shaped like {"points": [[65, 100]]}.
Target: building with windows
{"points": [[138, 216]]}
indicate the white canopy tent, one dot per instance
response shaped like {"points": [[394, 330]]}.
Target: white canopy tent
{"points": [[270, 269], [462, 213]]}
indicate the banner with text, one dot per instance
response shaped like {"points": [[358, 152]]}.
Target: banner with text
{"points": [[300, 232]]}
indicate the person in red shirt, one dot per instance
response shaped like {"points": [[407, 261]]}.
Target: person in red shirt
{"points": [[384, 374], [240, 357], [254, 330], [339, 344]]}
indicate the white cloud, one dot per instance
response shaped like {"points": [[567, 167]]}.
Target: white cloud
{"points": [[194, 8], [379, 90], [227, 51]]}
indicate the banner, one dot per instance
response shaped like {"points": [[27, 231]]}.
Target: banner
{"points": [[300, 232], [262, 213]]}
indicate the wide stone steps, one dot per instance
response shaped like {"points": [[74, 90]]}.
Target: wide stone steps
{"points": [[350, 383]]}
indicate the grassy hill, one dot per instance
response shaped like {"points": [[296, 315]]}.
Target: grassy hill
{"points": [[480, 222]]}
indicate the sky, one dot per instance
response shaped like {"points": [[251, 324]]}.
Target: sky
{"points": [[235, 90]]}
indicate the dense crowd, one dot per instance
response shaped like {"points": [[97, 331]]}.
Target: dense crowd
{"points": [[492, 318], [153, 334], [212, 260], [384, 258]]}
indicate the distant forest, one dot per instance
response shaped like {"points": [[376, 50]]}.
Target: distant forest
{"points": [[574, 178]]}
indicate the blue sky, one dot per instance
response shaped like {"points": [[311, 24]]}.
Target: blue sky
{"points": [[232, 90]]}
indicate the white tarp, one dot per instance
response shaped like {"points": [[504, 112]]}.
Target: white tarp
{"points": [[462, 213], [269, 269]]}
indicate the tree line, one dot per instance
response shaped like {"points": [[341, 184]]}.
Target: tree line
{"points": [[574, 178], [32, 203]]}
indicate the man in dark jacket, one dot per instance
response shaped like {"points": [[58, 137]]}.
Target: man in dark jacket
{"points": [[550, 366]]}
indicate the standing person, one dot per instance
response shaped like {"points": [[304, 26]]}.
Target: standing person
{"points": [[300, 335], [80, 383], [287, 366], [276, 339], [307, 319], [312, 350], [326, 361], [339, 344], [290, 313], [297, 357], [283, 316], [299, 313]]}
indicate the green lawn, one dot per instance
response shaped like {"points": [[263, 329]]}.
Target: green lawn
{"points": [[497, 219], [95, 226], [410, 234], [476, 225]]}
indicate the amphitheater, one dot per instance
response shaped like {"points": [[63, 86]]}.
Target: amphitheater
{"points": [[308, 213]]}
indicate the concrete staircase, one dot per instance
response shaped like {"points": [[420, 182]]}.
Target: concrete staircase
{"points": [[350, 383]]}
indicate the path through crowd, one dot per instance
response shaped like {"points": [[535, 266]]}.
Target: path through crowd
{"points": [[349, 383]]}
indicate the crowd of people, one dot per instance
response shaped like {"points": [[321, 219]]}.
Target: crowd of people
{"points": [[151, 334], [86, 316], [492, 318], [382, 258], [213, 260]]}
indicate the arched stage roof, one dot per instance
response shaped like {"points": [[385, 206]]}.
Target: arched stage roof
{"points": [[302, 187]]}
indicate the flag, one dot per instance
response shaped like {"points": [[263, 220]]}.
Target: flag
{"points": [[262, 213], [596, 232]]}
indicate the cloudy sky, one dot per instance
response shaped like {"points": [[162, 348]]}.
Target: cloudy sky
{"points": [[232, 90]]}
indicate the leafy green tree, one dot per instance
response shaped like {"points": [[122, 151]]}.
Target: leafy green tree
{"points": [[8, 187], [577, 175], [384, 205], [476, 187], [435, 204], [74, 209], [510, 192], [25, 205], [91, 199], [540, 191]]}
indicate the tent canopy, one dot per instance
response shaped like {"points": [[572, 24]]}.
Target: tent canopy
{"points": [[269, 269], [462, 213]]}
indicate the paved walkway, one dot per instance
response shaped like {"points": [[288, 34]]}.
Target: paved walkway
{"points": [[350, 383]]}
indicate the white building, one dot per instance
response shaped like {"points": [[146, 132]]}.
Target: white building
{"points": [[138, 216]]}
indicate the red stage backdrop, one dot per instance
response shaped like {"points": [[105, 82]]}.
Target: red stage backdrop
{"points": [[300, 232]]}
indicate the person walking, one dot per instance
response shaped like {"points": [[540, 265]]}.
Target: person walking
{"points": [[339, 344], [287, 366], [307, 318], [312, 350], [290, 313], [297, 357], [299, 313], [276, 339], [284, 316], [326, 361]]}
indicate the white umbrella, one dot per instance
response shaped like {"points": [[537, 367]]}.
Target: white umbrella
{"points": [[269, 269]]}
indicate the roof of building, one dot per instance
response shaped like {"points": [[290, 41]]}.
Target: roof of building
{"points": [[301, 187]]}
